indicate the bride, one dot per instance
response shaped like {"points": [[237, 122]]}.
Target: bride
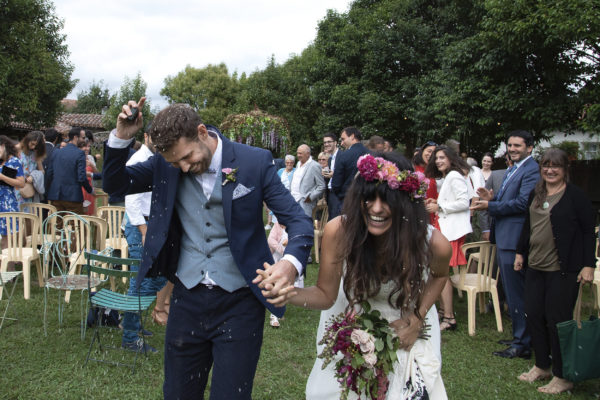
{"points": [[383, 251]]}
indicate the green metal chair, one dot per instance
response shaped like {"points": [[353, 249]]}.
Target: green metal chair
{"points": [[6, 277], [104, 266], [66, 235]]}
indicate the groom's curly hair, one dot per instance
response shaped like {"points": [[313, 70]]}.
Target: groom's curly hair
{"points": [[172, 123], [401, 256]]}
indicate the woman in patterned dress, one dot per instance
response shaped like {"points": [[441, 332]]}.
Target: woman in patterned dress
{"points": [[33, 151], [9, 186]]}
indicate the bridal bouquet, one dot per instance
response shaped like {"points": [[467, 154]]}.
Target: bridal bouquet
{"points": [[368, 349]]}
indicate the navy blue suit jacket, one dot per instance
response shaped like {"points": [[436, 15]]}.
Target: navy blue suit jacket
{"points": [[345, 169], [243, 216], [66, 174], [509, 207]]}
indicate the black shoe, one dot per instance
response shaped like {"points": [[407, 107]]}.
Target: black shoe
{"points": [[513, 352], [506, 342]]}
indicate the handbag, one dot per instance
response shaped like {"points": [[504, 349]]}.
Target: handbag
{"points": [[27, 191], [580, 345]]}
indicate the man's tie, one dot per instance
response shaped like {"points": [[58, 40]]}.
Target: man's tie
{"points": [[507, 176]]}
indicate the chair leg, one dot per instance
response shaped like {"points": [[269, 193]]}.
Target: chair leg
{"points": [[38, 265], [9, 298], [26, 280], [481, 297], [471, 298], [316, 247], [3, 268], [497, 311]]}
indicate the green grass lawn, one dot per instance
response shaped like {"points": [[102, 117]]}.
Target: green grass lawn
{"points": [[37, 367]]}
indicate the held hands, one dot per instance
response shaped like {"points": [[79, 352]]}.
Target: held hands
{"points": [[408, 330], [586, 275], [277, 282], [479, 205], [431, 206], [518, 265], [127, 129]]}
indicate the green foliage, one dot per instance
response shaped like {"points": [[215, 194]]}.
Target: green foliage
{"points": [[571, 148], [131, 89], [93, 100], [35, 73], [210, 91], [257, 128]]}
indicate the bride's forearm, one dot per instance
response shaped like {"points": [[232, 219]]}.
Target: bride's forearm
{"points": [[433, 289], [312, 298]]}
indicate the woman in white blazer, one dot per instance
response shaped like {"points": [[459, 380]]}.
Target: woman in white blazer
{"points": [[452, 207]]}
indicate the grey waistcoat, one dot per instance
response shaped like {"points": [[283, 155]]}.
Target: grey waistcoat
{"points": [[204, 242]]}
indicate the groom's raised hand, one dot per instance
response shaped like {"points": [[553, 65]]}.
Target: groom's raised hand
{"points": [[126, 128], [274, 278]]}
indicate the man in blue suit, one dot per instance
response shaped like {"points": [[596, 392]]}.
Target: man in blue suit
{"points": [[345, 165], [205, 233], [508, 209], [66, 175]]}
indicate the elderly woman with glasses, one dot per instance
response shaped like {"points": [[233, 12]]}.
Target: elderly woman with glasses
{"points": [[557, 249]]}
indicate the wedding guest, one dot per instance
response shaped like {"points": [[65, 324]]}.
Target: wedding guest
{"points": [[452, 208], [89, 199], [330, 147], [11, 180], [286, 174], [508, 207], [206, 234], [345, 164], [380, 250], [376, 143], [32, 154], [387, 146], [277, 241], [307, 182], [486, 166], [323, 159], [419, 161], [556, 249]]}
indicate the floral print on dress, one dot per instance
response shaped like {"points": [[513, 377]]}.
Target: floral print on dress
{"points": [[8, 194], [28, 164]]}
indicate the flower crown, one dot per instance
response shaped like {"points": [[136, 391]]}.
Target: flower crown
{"points": [[376, 168]]}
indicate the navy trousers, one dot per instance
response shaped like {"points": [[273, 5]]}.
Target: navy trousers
{"points": [[514, 289], [334, 205], [212, 328]]}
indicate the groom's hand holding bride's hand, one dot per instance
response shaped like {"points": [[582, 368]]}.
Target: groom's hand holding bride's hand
{"points": [[277, 281], [408, 330]]}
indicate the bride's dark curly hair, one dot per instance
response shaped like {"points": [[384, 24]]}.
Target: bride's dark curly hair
{"points": [[401, 255]]}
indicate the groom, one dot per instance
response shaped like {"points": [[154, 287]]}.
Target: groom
{"points": [[205, 233]]}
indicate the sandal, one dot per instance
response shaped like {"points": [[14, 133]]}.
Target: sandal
{"points": [[447, 325], [274, 321]]}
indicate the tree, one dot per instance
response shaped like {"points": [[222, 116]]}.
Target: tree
{"points": [[93, 100], [131, 89], [35, 73], [210, 91]]}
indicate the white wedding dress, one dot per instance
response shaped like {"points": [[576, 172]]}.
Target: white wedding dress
{"points": [[421, 366]]}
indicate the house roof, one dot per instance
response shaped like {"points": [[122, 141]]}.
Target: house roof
{"points": [[68, 120]]}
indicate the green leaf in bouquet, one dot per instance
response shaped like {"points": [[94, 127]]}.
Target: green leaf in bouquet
{"points": [[368, 374], [368, 324], [392, 354], [357, 361], [365, 306], [390, 341], [379, 345]]}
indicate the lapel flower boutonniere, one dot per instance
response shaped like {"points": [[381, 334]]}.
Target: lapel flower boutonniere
{"points": [[229, 175]]}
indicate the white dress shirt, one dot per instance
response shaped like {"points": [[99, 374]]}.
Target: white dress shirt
{"points": [[137, 205]]}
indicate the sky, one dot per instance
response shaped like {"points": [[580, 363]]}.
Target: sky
{"points": [[111, 39]]}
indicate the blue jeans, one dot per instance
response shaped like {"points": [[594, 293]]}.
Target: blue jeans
{"points": [[149, 286]]}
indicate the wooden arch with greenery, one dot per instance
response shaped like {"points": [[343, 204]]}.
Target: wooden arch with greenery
{"points": [[257, 128]]}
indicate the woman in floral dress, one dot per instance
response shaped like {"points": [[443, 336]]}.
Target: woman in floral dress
{"points": [[9, 186]]}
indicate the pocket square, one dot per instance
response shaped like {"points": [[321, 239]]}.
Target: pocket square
{"points": [[240, 191]]}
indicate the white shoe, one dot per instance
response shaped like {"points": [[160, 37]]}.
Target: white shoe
{"points": [[267, 227], [274, 321]]}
